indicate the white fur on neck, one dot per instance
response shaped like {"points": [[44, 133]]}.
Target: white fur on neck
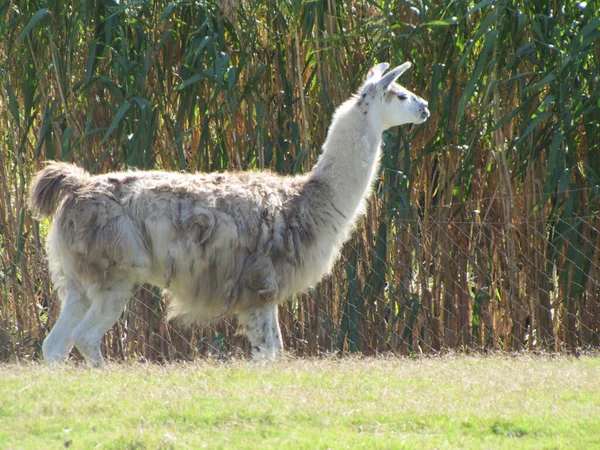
{"points": [[350, 157]]}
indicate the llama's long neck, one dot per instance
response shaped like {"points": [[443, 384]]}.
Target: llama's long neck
{"points": [[350, 157]]}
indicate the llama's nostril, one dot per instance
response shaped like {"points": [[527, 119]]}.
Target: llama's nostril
{"points": [[425, 113]]}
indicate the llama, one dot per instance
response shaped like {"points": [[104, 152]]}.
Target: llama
{"points": [[233, 243]]}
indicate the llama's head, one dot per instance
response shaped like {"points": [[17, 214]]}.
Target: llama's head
{"points": [[388, 102]]}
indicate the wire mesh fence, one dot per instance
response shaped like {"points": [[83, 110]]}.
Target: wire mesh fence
{"points": [[422, 280]]}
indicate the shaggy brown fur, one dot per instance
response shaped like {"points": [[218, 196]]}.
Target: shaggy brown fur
{"points": [[218, 243]]}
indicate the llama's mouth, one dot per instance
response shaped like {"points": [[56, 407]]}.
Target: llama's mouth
{"points": [[422, 116]]}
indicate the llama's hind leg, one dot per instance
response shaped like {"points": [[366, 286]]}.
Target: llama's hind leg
{"points": [[263, 332], [108, 301], [59, 342]]}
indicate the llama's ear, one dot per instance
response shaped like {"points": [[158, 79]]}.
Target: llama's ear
{"points": [[376, 72], [392, 76]]}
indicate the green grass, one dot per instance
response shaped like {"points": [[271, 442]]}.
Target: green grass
{"points": [[450, 402]]}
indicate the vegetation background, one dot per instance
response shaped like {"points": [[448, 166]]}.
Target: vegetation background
{"points": [[484, 232]]}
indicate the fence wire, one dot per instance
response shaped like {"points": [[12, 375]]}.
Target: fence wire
{"points": [[411, 281]]}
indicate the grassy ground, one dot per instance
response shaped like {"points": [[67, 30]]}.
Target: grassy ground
{"points": [[450, 402]]}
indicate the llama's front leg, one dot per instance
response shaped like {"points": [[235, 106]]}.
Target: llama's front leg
{"points": [[264, 334], [108, 301], [276, 333]]}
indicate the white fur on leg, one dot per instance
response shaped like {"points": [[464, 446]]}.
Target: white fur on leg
{"points": [[264, 334], [276, 333], [107, 306], [59, 342]]}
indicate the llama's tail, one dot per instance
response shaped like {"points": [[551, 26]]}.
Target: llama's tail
{"points": [[52, 184]]}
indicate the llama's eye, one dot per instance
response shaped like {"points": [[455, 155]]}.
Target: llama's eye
{"points": [[402, 97]]}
